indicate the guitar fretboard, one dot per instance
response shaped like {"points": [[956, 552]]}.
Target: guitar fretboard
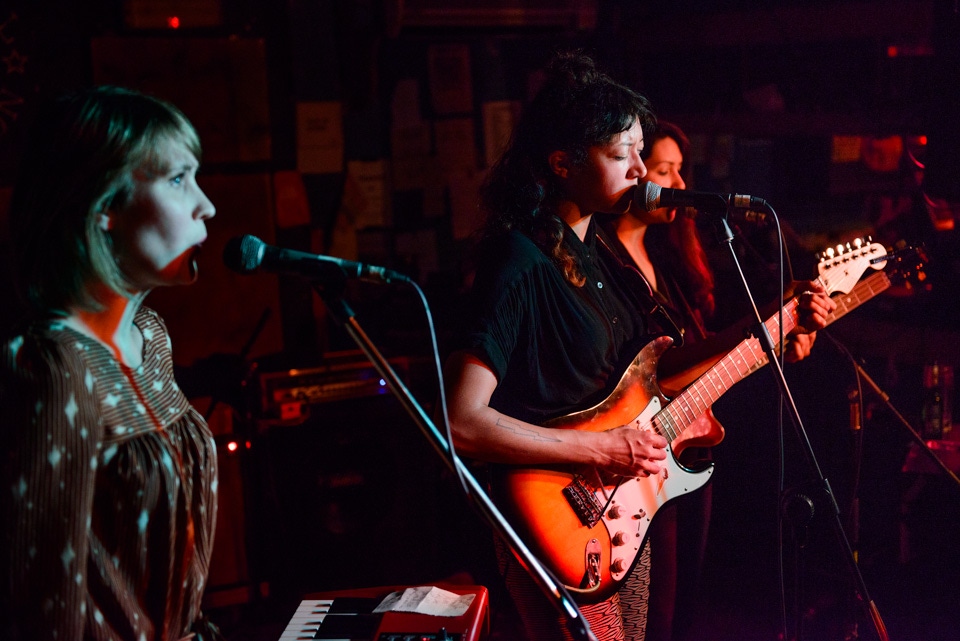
{"points": [[748, 357], [874, 284]]}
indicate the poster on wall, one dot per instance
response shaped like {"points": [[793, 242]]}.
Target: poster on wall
{"points": [[451, 83], [320, 137]]}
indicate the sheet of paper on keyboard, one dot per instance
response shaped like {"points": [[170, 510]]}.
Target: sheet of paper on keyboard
{"points": [[426, 600]]}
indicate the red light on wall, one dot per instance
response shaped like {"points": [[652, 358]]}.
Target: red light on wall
{"points": [[910, 50], [173, 22], [232, 446]]}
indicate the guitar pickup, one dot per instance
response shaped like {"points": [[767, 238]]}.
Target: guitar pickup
{"points": [[583, 501]]}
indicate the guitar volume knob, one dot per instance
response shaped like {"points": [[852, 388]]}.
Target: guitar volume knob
{"points": [[615, 512], [617, 566], [619, 539]]}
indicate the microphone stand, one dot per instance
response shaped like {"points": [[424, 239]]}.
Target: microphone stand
{"points": [[855, 398], [761, 333], [556, 592], [906, 425]]}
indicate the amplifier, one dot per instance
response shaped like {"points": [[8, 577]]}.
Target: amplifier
{"points": [[346, 484], [342, 376]]}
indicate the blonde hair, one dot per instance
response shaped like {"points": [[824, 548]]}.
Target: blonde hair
{"points": [[78, 164]]}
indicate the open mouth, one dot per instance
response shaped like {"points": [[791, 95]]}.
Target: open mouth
{"points": [[192, 260]]}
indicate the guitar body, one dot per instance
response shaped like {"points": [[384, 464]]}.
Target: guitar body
{"points": [[705, 431], [587, 527]]}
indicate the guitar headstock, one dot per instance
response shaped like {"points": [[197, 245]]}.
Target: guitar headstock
{"points": [[842, 266]]}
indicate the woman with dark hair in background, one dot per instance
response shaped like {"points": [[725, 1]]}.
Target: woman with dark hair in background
{"points": [[110, 476], [664, 245]]}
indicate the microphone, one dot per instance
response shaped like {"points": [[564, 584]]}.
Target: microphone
{"points": [[246, 254], [650, 196]]}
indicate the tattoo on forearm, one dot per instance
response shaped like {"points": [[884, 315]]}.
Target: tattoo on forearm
{"points": [[520, 430]]}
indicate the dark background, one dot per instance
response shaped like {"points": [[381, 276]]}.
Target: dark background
{"points": [[841, 114]]}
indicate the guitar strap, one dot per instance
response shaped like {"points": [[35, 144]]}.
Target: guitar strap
{"points": [[653, 309]]}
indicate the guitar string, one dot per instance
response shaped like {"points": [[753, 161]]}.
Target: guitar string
{"points": [[666, 421], [686, 398]]}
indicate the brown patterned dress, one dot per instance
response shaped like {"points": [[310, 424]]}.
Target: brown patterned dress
{"points": [[110, 489]]}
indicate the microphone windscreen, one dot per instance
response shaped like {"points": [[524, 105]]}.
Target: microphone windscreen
{"points": [[650, 192], [242, 253]]}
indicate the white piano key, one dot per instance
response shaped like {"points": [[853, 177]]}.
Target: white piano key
{"points": [[306, 620]]}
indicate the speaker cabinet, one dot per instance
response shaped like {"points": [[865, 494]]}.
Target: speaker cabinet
{"points": [[348, 498]]}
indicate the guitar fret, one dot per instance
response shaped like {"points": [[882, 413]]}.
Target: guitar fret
{"points": [[695, 402], [678, 414], [759, 356], [675, 426], [741, 360], [663, 421], [681, 404], [710, 378], [702, 404], [726, 370], [692, 408], [863, 291], [690, 411]]}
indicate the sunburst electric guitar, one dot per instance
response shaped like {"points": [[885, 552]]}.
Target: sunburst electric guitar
{"points": [[588, 527]]}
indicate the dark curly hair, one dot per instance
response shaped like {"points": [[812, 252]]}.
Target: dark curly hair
{"points": [[576, 108]]}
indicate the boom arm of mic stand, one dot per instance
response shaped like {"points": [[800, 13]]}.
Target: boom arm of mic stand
{"points": [[906, 424], [557, 594], [766, 342]]}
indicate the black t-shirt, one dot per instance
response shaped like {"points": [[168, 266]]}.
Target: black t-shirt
{"points": [[669, 293], [555, 348]]}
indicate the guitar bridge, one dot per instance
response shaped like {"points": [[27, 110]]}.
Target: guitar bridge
{"points": [[583, 501]]}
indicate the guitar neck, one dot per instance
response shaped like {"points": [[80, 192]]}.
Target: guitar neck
{"points": [[874, 284], [748, 357]]}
